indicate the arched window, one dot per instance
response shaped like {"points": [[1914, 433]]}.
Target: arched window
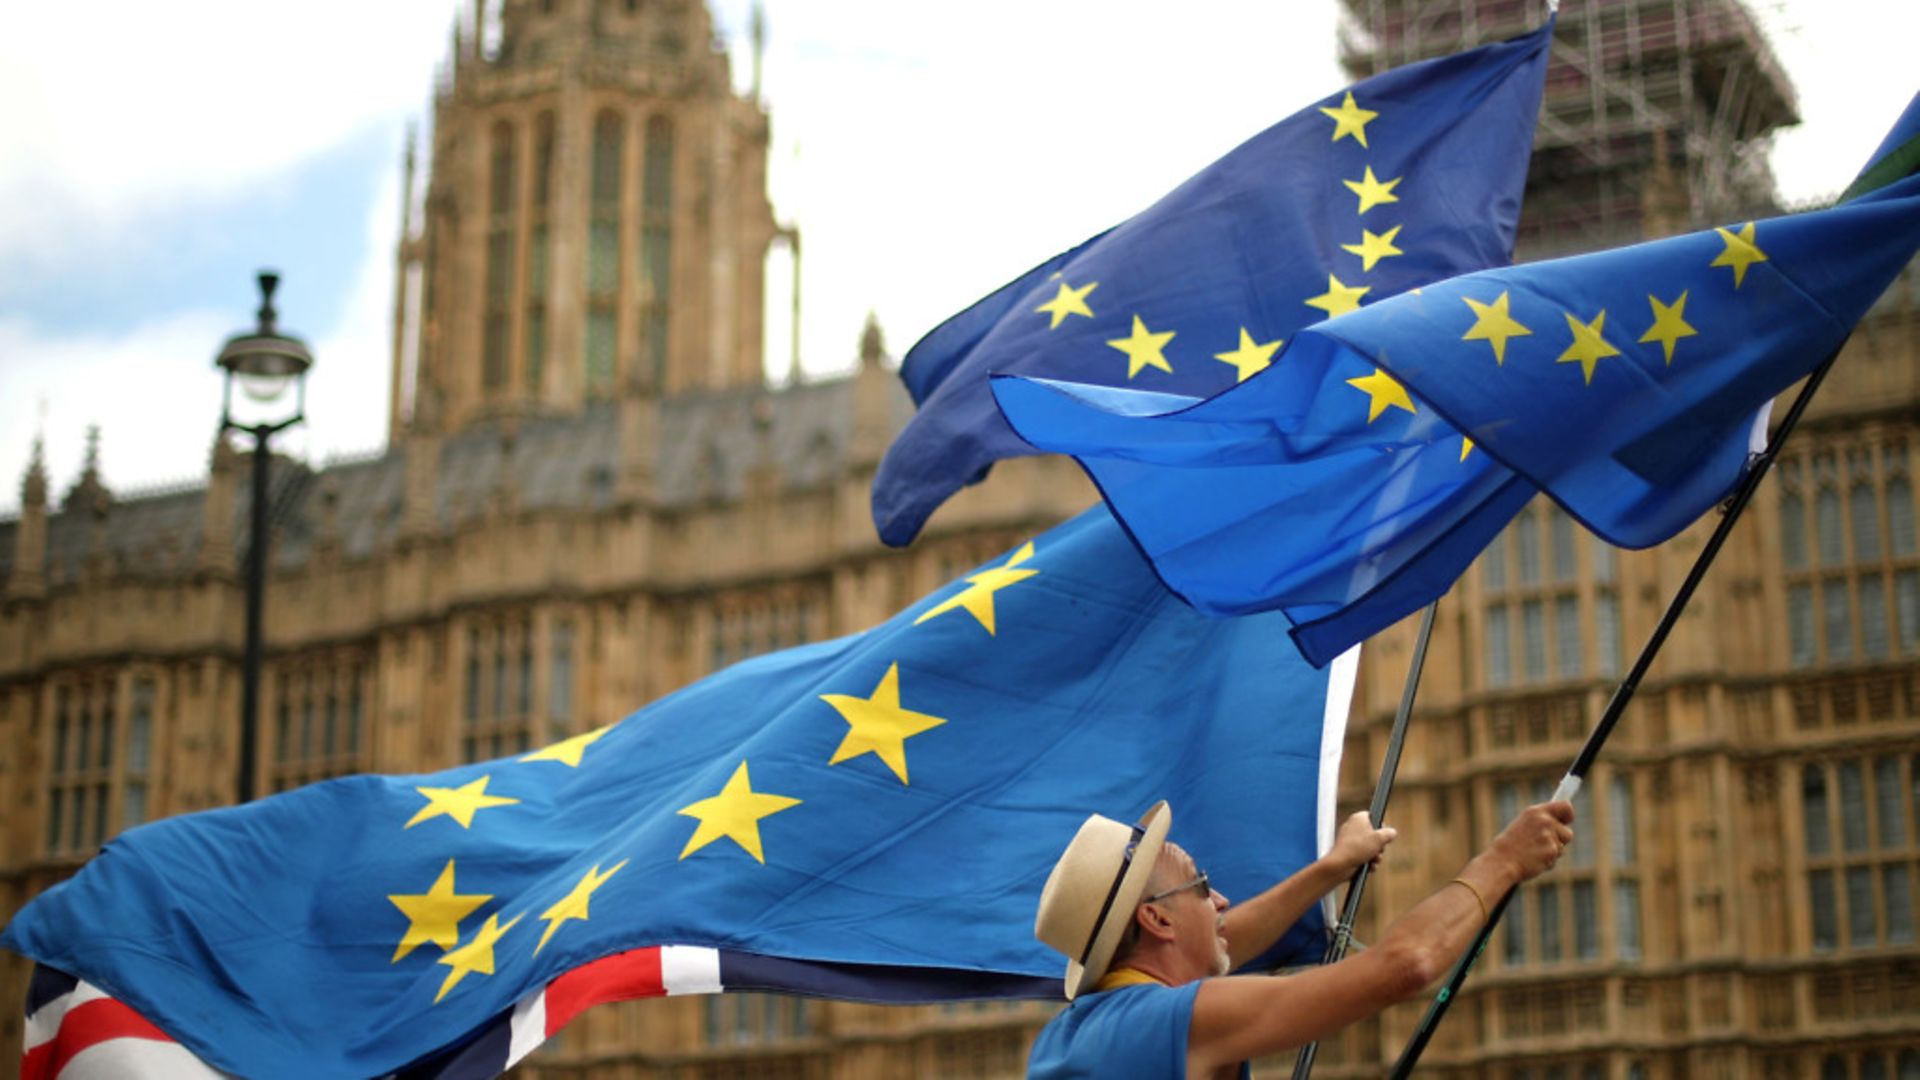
{"points": [[1819, 845], [1793, 518], [656, 248], [501, 203], [603, 251], [1863, 509], [539, 251]]}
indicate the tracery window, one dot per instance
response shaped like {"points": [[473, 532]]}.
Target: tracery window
{"points": [[1538, 622], [539, 250], [749, 626], [656, 248], [1859, 828], [82, 765], [1848, 544], [501, 224], [497, 718], [319, 718], [1588, 910], [603, 251]]}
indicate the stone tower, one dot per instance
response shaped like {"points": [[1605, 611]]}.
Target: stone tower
{"points": [[595, 220]]}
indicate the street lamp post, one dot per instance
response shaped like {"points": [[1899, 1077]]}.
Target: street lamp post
{"points": [[265, 362]]}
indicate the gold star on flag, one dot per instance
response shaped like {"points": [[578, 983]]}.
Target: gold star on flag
{"points": [[877, 725], [574, 904], [1466, 447], [1740, 252], [1669, 324], [1372, 191], [568, 751], [475, 955], [735, 813], [1381, 392], [1374, 246], [1068, 301], [1589, 346], [435, 914], [1252, 357], [1350, 119], [1143, 348], [459, 803], [977, 597], [1339, 298], [1493, 324]]}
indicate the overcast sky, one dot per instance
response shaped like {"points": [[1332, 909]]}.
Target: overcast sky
{"points": [[154, 155]]}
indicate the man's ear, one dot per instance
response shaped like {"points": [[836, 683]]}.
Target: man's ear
{"points": [[1153, 921]]}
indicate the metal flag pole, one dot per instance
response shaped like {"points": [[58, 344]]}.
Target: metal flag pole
{"points": [[1377, 813], [1577, 772]]}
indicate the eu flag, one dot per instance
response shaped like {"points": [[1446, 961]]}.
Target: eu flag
{"points": [[870, 817], [1354, 480], [1405, 178], [1624, 382]]}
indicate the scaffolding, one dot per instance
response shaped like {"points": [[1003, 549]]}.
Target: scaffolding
{"points": [[1658, 114]]}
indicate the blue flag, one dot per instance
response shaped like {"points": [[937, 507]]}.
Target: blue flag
{"points": [[1408, 177], [1354, 480], [870, 817]]}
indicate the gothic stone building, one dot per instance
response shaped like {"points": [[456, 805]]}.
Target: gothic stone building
{"points": [[591, 497]]}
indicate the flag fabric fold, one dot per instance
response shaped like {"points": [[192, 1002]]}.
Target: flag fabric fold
{"points": [[870, 817], [1352, 481], [1630, 377], [1406, 178]]}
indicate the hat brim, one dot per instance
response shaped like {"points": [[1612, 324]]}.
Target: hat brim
{"points": [[1133, 885]]}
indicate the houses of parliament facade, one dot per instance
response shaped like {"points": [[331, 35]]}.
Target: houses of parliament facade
{"points": [[591, 496]]}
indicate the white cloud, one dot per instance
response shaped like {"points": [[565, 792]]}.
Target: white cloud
{"points": [[1851, 64], [153, 391], [117, 115]]}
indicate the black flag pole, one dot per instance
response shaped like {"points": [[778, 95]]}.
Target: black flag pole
{"points": [[1377, 813], [1577, 772]]}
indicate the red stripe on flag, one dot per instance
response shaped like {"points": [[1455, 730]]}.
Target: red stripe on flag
{"points": [[84, 1027], [621, 977]]}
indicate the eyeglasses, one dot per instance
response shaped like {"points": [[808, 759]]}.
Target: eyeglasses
{"points": [[1206, 890]]}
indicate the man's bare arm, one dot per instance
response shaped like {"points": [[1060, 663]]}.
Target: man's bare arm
{"points": [[1241, 1017], [1251, 927]]}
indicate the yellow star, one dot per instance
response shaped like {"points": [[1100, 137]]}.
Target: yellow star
{"points": [[1339, 299], [574, 904], [1143, 349], [735, 813], [1252, 357], [1374, 246], [1669, 324], [568, 751], [475, 955], [977, 597], [1740, 252], [1494, 325], [1588, 347], [1372, 191], [1350, 119], [877, 725], [459, 803], [1381, 391], [435, 914], [1068, 301], [1466, 447]]}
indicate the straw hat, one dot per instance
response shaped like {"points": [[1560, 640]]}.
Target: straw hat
{"points": [[1090, 896]]}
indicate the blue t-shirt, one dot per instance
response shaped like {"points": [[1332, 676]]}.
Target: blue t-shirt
{"points": [[1134, 1031]]}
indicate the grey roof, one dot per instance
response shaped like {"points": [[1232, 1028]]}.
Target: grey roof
{"points": [[707, 445]]}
